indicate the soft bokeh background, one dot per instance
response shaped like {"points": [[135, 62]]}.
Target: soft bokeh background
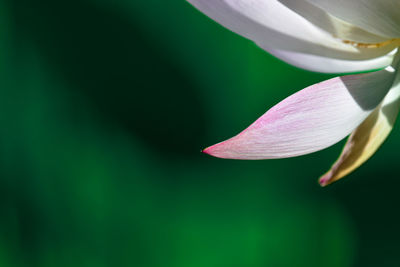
{"points": [[104, 107]]}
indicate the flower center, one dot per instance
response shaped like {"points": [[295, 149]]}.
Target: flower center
{"points": [[395, 41]]}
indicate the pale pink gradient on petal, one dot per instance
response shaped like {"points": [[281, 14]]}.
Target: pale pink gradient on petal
{"points": [[310, 120]]}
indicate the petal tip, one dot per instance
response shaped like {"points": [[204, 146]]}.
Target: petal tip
{"points": [[204, 151], [326, 179], [219, 151], [208, 151]]}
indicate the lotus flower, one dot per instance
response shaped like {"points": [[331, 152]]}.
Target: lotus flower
{"points": [[343, 36]]}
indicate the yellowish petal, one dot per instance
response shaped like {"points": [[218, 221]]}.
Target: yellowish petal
{"points": [[366, 139]]}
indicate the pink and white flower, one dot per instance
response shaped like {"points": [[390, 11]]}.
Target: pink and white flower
{"points": [[341, 36]]}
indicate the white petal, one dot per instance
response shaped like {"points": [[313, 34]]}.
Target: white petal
{"points": [[272, 25], [367, 138], [310, 120], [330, 65], [377, 16], [335, 26]]}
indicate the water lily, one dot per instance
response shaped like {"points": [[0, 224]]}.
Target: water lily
{"points": [[344, 36]]}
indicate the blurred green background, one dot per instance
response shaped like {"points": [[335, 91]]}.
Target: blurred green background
{"points": [[105, 105]]}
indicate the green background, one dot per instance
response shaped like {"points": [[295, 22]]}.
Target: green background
{"points": [[104, 107]]}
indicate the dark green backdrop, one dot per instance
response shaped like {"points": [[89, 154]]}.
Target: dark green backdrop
{"points": [[104, 107]]}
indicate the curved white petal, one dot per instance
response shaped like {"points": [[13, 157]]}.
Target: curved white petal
{"points": [[331, 24], [272, 25], [367, 138], [310, 120], [330, 65], [377, 16]]}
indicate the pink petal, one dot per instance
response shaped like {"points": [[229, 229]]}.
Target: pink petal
{"points": [[310, 120]]}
